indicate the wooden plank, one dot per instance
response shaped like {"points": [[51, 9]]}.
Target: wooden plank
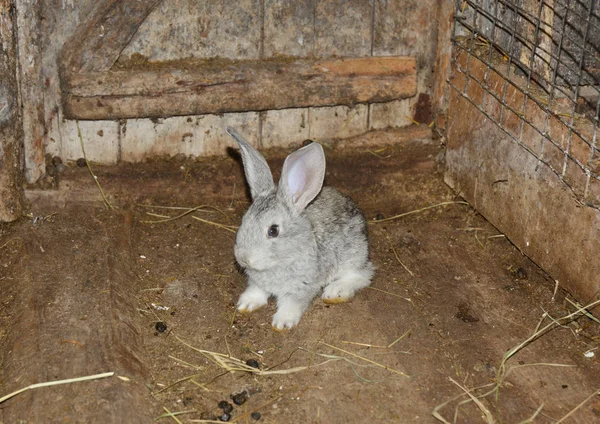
{"points": [[406, 27], [96, 43], [219, 87], [326, 123], [394, 114], [289, 28], [442, 62], [100, 138], [152, 79], [343, 28], [185, 135], [284, 128], [31, 87], [60, 19], [10, 119], [199, 29]]}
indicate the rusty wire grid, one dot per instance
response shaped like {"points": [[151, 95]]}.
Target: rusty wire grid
{"points": [[547, 55]]}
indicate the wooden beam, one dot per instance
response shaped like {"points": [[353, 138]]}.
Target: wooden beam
{"points": [[442, 60], [96, 86], [98, 41], [216, 86], [31, 86], [11, 123]]}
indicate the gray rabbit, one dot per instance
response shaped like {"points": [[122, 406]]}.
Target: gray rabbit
{"points": [[298, 237]]}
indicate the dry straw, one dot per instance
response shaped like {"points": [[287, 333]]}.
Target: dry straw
{"points": [[232, 364], [187, 211], [504, 372], [437, 205], [89, 167], [56, 383]]}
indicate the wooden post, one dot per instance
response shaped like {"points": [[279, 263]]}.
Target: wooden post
{"points": [[31, 85], [442, 62], [11, 124]]}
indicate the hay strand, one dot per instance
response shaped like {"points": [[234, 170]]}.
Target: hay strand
{"points": [[539, 332], [172, 415], [230, 228], [187, 211], [583, 402], [399, 338], [533, 417], [436, 410], [56, 383], [376, 153], [408, 299], [11, 241], [494, 387], [181, 380], [418, 210], [486, 412], [89, 167], [181, 215], [365, 359], [366, 345], [396, 255], [503, 373], [578, 305], [232, 364]]}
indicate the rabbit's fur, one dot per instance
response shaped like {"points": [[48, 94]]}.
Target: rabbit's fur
{"points": [[321, 242]]}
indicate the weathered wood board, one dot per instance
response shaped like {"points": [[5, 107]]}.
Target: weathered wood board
{"points": [[246, 30], [11, 131], [30, 86], [223, 86]]}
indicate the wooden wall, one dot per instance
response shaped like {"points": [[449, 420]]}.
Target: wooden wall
{"points": [[245, 29]]}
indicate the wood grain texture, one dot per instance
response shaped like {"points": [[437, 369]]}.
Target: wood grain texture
{"points": [[289, 28], [97, 42], [442, 58], [343, 28], [199, 29], [218, 87], [31, 87], [11, 130]]}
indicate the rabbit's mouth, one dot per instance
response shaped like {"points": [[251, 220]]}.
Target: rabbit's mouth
{"points": [[254, 262], [249, 263], [254, 267]]}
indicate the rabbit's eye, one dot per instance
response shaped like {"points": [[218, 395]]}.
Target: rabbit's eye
{"points": [[273, 231]]}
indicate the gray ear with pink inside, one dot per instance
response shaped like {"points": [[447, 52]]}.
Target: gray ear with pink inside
{"points": [[257, 170], [302, 176]]}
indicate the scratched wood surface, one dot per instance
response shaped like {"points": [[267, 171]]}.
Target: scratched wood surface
{"points": [[244, 30]]}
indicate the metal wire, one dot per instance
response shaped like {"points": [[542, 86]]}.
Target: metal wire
{"points": [[549, 52]]}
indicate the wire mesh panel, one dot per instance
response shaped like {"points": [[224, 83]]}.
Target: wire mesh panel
{"points": [[533, 68]]}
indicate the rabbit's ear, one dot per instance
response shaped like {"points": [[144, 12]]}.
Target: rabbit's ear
{"points": [[302, 176], [256, 168]]}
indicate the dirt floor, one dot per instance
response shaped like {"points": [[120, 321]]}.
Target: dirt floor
{"points": [[87, 290]]}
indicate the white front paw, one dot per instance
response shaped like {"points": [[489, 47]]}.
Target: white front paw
{"points": [[286, 318], [252, 299], [337, 293]]}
